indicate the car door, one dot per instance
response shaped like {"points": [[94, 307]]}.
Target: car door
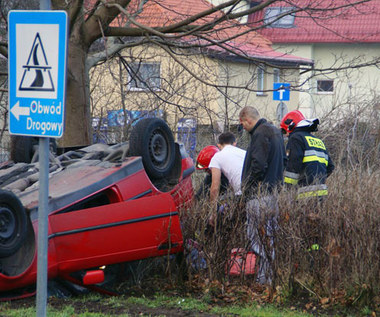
{"points": [[118, 232]]}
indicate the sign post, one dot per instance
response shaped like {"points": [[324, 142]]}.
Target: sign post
{"points": [[37, 42], [281, 92]]}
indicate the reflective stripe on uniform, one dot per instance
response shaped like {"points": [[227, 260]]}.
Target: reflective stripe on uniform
{"points": [[317, 153], [315, 156], [291, 178], [313, 194], [312, 191], [291, 181], [315, 159]]}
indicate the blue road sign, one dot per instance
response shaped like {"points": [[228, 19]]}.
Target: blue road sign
{"points": [[281, 91], [37, 42]]}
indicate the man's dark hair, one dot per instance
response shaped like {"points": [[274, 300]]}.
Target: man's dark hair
{"points": [[226, 138]]}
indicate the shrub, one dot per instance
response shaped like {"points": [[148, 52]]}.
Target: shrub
{"points": [[345, 226]]}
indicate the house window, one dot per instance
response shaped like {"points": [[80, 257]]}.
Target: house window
{"points": [[144, 76], [325, 86], [260, 80], [271, 19], [276, 75]]}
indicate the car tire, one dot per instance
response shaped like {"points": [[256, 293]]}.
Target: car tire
{"points": [[24, 147], [152, 139], [13, 224]]}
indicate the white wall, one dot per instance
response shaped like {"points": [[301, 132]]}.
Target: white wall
{"points": [[243, 5], [350, 84]]}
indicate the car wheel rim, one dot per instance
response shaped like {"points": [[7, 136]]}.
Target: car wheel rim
{"points": [[158, 149], [7, 223]]}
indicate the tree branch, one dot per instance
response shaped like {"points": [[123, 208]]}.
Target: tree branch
{"points": [[73, 8], [105, 15], [184, 27], [179, 25], [172, 55]]}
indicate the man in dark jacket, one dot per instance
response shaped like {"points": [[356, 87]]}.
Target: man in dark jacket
{"points": [[265, 160], [262, 171]]}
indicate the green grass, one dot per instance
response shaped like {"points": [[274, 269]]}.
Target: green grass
{"points": [[164, 301], [31, 312], [201, 306]]}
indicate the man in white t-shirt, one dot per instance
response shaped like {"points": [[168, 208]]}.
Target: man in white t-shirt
{"points": [[229, 161]]}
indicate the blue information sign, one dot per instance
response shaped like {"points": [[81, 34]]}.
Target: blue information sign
{"points": [[37, 42], [281, 91]]}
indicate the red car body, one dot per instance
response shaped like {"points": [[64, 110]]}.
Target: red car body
{"points": [[99, 215]]}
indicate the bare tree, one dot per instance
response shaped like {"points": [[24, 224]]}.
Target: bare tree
{"points": [[100, 29]]}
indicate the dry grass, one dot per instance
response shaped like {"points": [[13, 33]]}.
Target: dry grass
{"points": [[347, 230], [347, 227]]}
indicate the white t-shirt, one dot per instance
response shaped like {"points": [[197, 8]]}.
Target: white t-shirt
{"points": [[230, 161]]}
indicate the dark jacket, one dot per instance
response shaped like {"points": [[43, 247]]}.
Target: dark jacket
{"points": [[308, 160], [265, 159]]}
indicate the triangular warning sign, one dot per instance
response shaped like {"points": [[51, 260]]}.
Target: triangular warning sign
{"points": [[37, 75]]}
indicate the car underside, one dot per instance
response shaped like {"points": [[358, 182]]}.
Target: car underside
{"points": [[107, 205]]}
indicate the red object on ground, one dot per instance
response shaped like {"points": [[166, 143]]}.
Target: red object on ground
{"points": [[242, 262]]}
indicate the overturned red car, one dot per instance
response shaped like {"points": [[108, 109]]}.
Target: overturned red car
{"points": [[107, 205]]}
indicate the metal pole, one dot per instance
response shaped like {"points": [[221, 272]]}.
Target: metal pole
{"points": [[282, 109], [45, 5], [43, 212]]}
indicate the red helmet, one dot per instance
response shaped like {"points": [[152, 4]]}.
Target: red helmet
{"points": [[205, 156], [290, 120]]}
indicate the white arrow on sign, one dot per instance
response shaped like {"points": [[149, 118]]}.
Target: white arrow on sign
{"points": [[281, 91], [18, 111]]}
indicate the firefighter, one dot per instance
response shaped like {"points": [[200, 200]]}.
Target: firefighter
{"points": [[309, 163], [307, 168]]}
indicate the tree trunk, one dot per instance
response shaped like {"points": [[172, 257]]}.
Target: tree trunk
{"points": [[77, 111]]}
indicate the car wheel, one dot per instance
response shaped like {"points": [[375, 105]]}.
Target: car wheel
{"points": [[13, 223], [152, 139], [24, 147]]}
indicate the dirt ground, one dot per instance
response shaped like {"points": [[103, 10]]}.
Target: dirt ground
{"points": [[103, 308], [149, 285], [100, 306], [61, 295], [234, 295]]}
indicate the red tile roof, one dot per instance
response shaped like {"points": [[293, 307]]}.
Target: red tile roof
{"points": [[161, 13], [349, 24], [250, 44], [166, 12]]}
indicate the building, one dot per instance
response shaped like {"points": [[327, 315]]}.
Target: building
{"points": [[241, 6], [342, 39], [206, 79]]}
